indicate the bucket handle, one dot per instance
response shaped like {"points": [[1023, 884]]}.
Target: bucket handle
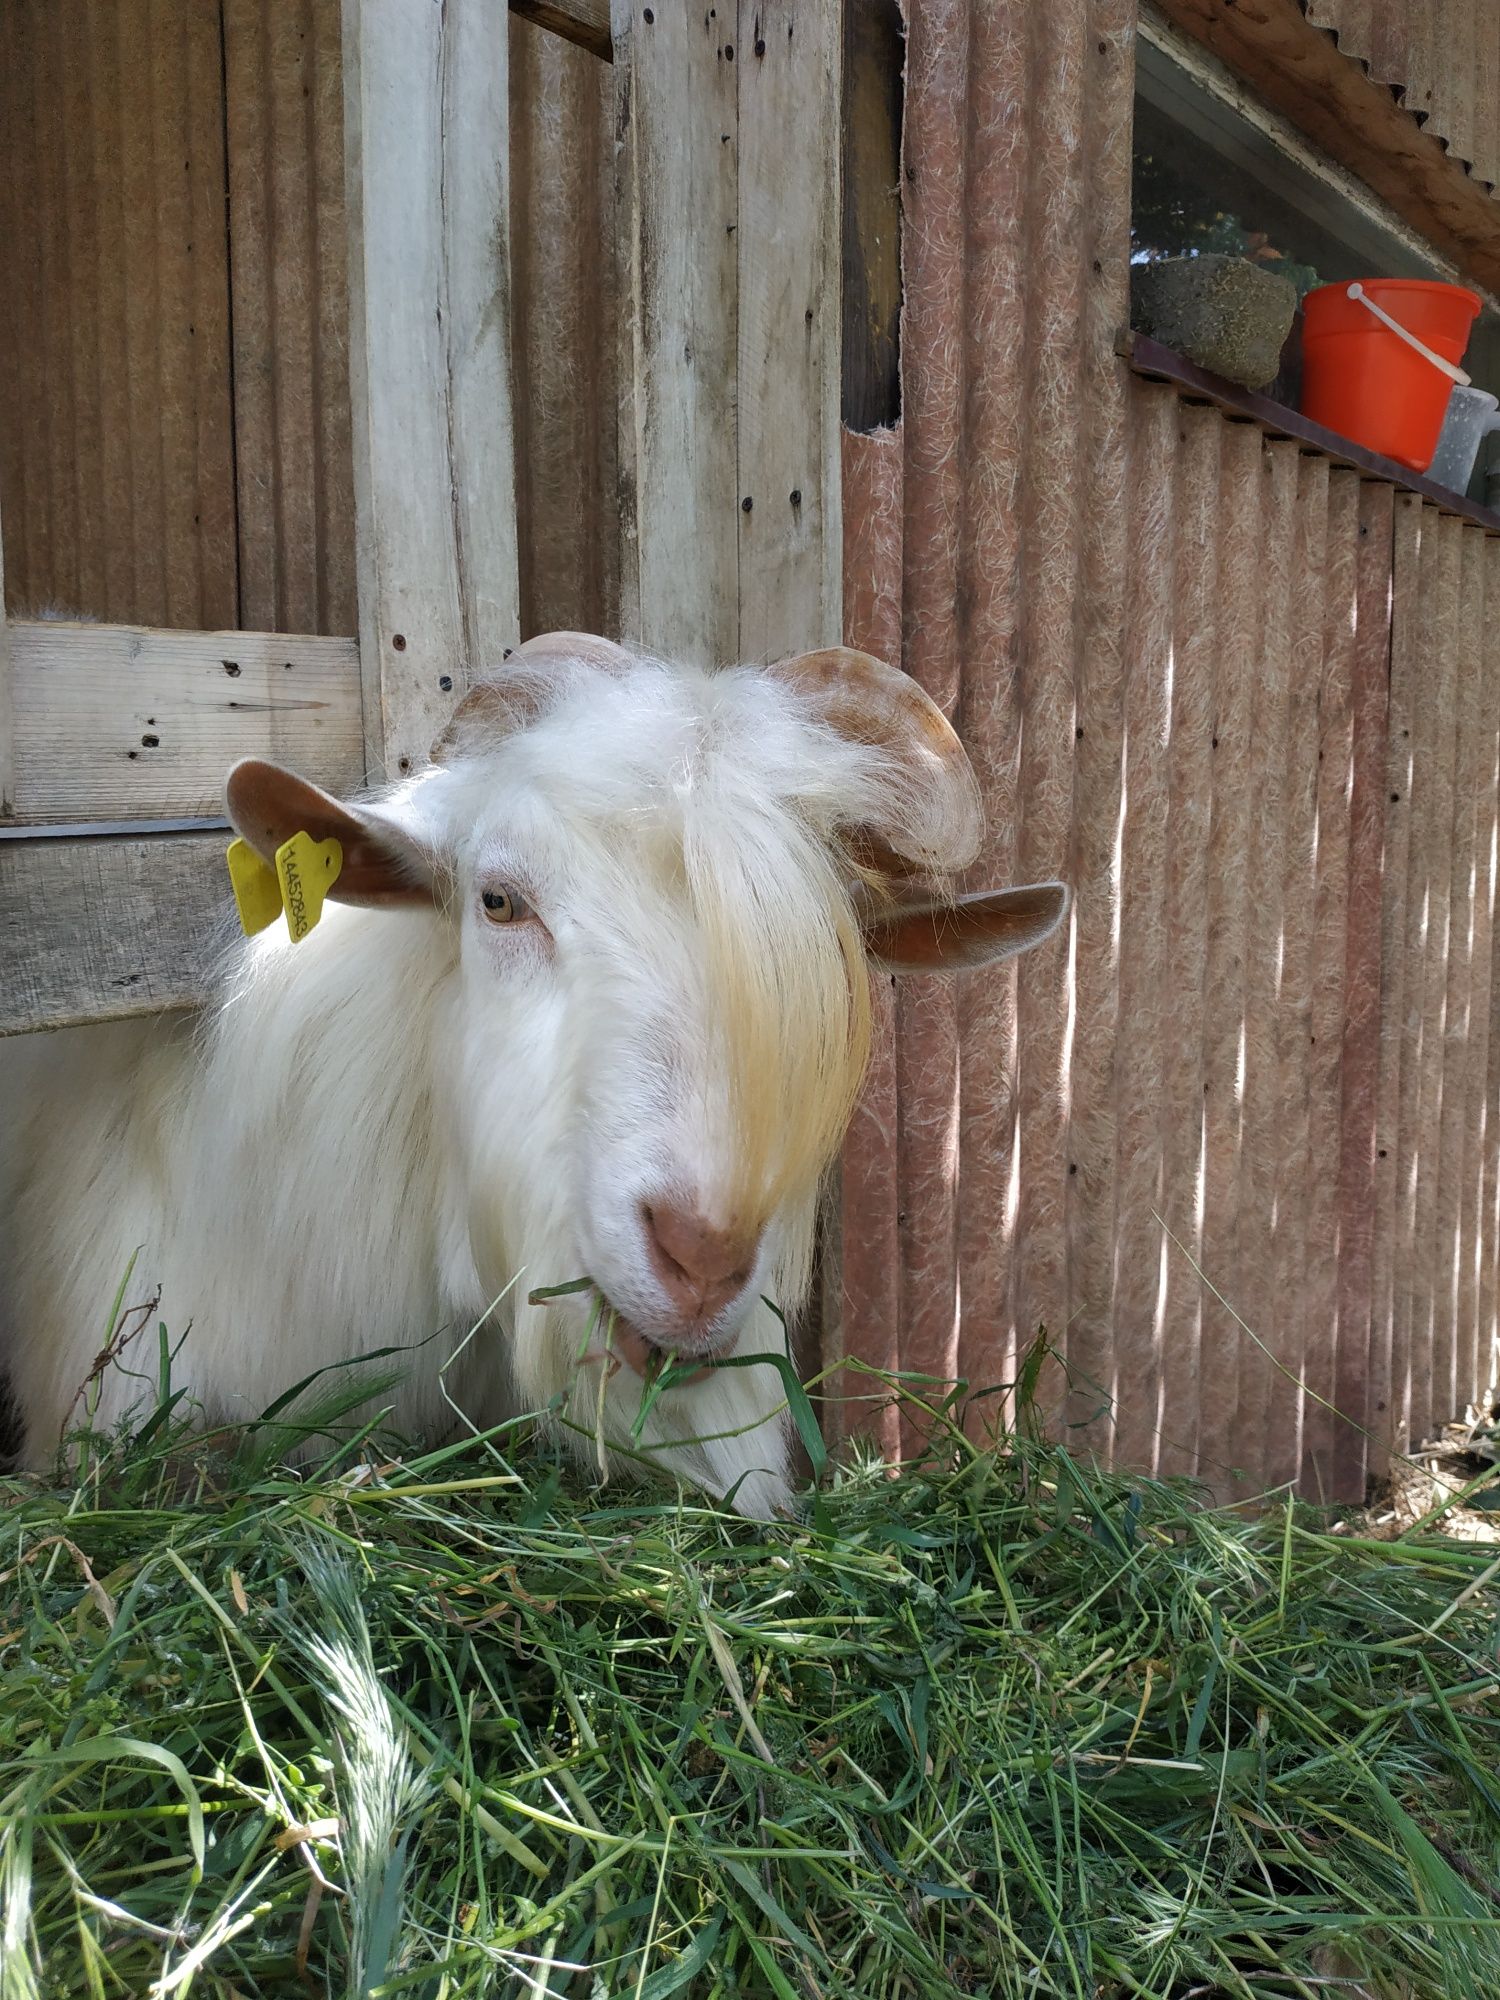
{"points": [[1454, 374]]}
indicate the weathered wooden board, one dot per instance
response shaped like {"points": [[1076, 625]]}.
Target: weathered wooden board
{"points": [[93, 930], [676, 215], [426, 128], [790, 537], [585, 22], [119, 722]]}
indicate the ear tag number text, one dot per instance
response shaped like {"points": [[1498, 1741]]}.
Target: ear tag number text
{"points": [[257, 893], [306, 869]]}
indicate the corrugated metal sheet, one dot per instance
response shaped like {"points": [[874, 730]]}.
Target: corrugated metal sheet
{"points": [[1231, 1142], [1443, 56], [174, 393], [116, 471], [174, 400]]}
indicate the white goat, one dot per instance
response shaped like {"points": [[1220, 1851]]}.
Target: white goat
{"points": [[595, 1002]]}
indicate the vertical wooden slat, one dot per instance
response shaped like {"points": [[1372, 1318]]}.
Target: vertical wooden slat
{"points": [[1256, 1293], [1330, 999], [1173, 1394], [29, 555], [142, 284], [426, 105], [565, 332], [173, 327], [677, 122], [205, 305], [50, 222], [988, 606], [337, 609], [789, 351], [252, 250], [1148, 1015], [1230, 858], [1358, 1207], [1287, 1336], [1401, 981], [293, 289]]}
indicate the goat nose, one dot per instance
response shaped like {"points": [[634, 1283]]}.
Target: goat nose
{"points": [[701, 1268]]}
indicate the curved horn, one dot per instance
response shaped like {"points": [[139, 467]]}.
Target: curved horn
{"points": [[937, 821], [512, 695]]}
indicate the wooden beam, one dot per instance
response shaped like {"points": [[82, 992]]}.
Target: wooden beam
{"points": [[121, 722], [585, 22], [677, 123], [427, 145], [789, 335], [729, 298], [1300, 70], [94, 930]]}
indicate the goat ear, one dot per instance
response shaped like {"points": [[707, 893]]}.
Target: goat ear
{"points": [[382, 866], [968, 932]]}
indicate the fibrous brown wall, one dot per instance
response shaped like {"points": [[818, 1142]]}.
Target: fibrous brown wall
{"points": [[1229, 1141]]}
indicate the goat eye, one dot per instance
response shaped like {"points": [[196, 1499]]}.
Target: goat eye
{"points": [[504, 906]]}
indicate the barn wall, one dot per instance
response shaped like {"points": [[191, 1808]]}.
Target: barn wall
{"points": [[174, 378], [1443, 56], [1185, 658], [116, 450]]}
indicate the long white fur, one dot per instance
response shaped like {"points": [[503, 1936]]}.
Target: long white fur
{"points": [[369, 1136]]}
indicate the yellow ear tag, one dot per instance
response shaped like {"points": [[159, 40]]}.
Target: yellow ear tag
{"points": [[257, 893], [307, 870]]}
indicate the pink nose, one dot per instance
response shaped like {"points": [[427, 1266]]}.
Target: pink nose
{"points": [[700, 1268]]}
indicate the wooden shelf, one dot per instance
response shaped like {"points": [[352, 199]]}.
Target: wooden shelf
{"points": [[1156, 363]]}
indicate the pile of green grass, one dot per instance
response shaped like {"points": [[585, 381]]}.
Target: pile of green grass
{"points": [[1001, 1725]]}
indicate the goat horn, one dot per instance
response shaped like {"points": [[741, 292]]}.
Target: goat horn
{"points": [[868, 701], [514, 694]]}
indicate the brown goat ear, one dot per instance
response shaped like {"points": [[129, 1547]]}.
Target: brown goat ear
{"points": [[382, 866], [968, 932]]}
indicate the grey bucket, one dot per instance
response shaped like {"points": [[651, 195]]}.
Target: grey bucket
{"points": [[1472, 415]]}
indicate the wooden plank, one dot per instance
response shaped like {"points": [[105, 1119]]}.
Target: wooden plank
{"points": [[790, 539], [333, 455], [119, 722], [873, 56], [427, 183], [7, 707], [1299, 70], [585, 22], [677, 123], [94, 930], [565, 329]]}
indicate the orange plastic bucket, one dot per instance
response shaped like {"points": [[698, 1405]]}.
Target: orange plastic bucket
{"points": [[1367, 383]]}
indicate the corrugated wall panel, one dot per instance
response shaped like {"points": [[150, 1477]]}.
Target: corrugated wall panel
{"points": [[1236, 694], [1444, 58], [116, 478]]}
